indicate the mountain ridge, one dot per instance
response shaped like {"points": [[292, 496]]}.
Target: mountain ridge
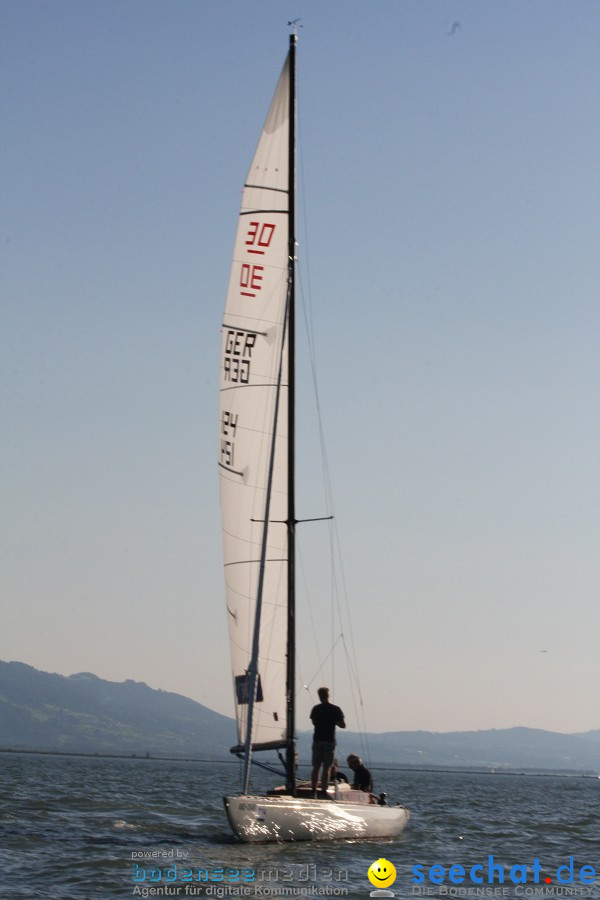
{"points": [[84, 713]]}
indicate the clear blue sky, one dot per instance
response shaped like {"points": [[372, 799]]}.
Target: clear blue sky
{"points": [[451, 176]]}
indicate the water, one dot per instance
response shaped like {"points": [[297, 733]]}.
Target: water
{"points": [[70, 826]]}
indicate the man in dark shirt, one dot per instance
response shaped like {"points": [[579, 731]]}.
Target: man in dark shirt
{"points": [[362, 776], [325, 716]]}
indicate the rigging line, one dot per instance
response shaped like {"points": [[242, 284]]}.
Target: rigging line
{"points": [[325, 476], [325, 660], [362, 735], [333, 591], [307, 308], [299, 673], [300, 559], [339, 591], [358, 709], [253, 667], [340, 603], [308, 691], [352, 669], [345, 598]]}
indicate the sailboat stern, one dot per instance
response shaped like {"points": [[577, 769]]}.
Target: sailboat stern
{"points": [[256, 819]]}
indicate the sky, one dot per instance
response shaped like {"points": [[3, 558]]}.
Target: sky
{"points": [[449, 175]]}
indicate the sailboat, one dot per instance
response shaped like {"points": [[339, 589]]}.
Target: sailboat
{"points": [[257, 470]]}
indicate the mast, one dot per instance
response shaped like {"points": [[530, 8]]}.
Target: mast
{"points": [[291, 512]]}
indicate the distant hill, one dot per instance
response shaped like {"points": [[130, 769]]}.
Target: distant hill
{"points": [[513, 748], [84, 713]]}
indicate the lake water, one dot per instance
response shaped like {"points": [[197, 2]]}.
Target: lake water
{"points": [[74, 827]]}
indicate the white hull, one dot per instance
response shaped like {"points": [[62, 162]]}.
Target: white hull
{"points": [[286, 818]]}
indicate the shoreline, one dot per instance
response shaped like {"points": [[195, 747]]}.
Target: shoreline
{"points": [[383, 767]]}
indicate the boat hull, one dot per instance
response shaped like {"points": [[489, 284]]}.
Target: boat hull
{"points": [[286, 818]]}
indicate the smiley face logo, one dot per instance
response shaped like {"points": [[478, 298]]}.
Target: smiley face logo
{"points": [[381, 873]]}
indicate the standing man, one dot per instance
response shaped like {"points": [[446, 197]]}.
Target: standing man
{"points": [[325, 716]]}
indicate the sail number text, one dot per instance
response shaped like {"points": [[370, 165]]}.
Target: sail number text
{"points": [[258, 240], [238, 355], [236, 369], [228, 429]]}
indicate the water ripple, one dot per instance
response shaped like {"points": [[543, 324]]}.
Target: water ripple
{"points": [[70, 828]]}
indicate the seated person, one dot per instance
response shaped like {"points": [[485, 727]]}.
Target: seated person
{"points": [[362, 776]]}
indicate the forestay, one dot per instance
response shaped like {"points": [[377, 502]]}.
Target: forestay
{"points": [[252, 351]]}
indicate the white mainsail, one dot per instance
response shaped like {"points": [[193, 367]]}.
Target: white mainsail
{"points": [[252, 351]]}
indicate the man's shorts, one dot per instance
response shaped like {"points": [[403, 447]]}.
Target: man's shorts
{"points": [[323, 753]]}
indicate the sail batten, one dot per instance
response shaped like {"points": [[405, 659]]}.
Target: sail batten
{"points": [[254, 355]]}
